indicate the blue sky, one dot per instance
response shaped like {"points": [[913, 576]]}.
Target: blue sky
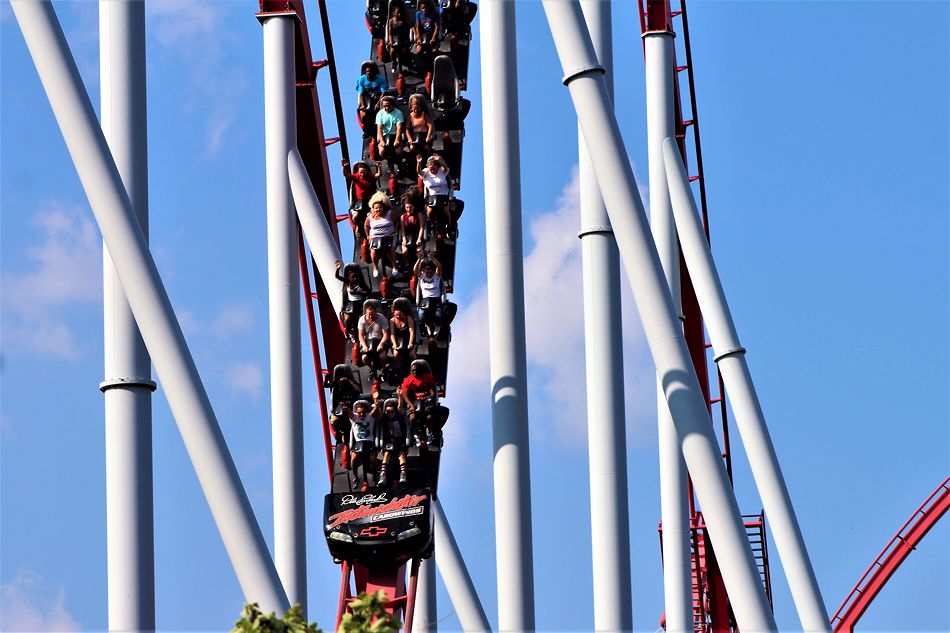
{"points": [[825, 129]]}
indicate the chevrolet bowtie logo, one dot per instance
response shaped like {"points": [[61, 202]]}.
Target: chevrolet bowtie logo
{"points": [[374, 531]]}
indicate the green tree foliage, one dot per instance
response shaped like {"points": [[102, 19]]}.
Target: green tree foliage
{"points": [[253, 621], [368, 615]]}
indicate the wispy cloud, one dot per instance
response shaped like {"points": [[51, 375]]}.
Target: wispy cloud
{"points": [[245, 377], [554, 333], [64, 272], [196, 37], [30, 603]]}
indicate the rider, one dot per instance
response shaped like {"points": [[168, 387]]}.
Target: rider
{"points": [[427, 32], [429, 284], [381, 229], [389, 124], [394, 435], [420, 129], [397, 37], [435, 180], [362, 440], [402, 332], [419, 394], [411, 223], [373, 329], [370, 86], [354, 294], [364, 186]]}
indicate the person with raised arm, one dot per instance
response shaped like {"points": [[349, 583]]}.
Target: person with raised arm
{"points": [[436, 188], [381, 228]]}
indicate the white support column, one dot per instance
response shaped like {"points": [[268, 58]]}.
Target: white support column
{"points": [[316, 231], [674, 504], [603, 323], [150, 305], [458, 583], [127, 387], [584, 79], [425, 616], [283, 276], [750, 420], [506, 318]]}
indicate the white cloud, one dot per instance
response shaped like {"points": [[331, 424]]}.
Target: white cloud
{"points": [[555, 338], [30, 603], [63, 273], [233, 319], [245, 377]]}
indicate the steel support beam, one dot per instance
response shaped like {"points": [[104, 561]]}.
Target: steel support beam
{"points": [[425, 617], [606, 428], [674, 501], [150, 305], [127, 387], [512, 473], [459, 584], [313, 222], [585, 81], [283, 283], [750, 419]]}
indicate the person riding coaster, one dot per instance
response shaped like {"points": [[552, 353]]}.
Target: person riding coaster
{"points": [[402, 331], [363, 184], [429, 289], [437, 189], [426, 32], [392, 436], [426, 415], [373, 330], [389, 132], [362, 442], [398, 32], [381, 228], [370, 87], [355, 292], [420, 129]]}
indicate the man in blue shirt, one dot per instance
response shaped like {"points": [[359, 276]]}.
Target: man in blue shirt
{"points": [[370, 85], [389, 123]]}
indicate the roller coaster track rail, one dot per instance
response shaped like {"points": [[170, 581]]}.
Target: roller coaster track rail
{"points": [[891, 557]]}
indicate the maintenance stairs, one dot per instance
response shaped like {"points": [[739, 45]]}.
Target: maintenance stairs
{"points": [[707, 589]]}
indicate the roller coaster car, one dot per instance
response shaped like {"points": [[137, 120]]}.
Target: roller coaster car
{"points": [[450, 107], [379, 526]]}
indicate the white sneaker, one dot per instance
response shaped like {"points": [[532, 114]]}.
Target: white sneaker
{"points": [[375, 272]]}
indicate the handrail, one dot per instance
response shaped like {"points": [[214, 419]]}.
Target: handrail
{"points": [[894, 553], [334, 79]]}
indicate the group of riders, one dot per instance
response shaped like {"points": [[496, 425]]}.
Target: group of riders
{"points": [[394, 291]]}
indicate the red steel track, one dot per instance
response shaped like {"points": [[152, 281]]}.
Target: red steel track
{"points": [[894, 553]]}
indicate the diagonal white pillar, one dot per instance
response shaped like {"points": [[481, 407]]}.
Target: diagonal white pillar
{"points": [[750, 420], [512, 473], [584, 79], [283, 283], [674, 502], [458, 583], [603, 325], [150, 305], [127, 387]]}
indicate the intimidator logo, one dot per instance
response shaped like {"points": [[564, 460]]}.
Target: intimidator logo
{"points": [[397, 508]]}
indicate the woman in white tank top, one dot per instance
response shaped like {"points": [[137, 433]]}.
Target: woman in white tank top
{"points": [[380, 228]]}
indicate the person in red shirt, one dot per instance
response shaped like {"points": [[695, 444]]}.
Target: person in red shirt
{"points": [[364, 186], [418, 392]]}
